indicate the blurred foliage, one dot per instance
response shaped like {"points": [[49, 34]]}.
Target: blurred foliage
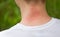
{"points": [[53, 8], [10, 13]]}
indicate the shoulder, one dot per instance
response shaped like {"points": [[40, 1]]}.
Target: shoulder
{"points": [[55, 24], [9, 31], [57, 21]]}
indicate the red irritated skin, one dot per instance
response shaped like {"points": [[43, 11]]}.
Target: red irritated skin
{"points": [[34, 10]]}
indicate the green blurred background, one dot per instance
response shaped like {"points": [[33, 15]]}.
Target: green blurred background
{"points": [[10, 13]]}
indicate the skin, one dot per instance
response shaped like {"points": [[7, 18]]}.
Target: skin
{"points": [[33, 13]]}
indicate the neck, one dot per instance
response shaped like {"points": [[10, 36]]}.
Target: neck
{"points": [[35, 18]]}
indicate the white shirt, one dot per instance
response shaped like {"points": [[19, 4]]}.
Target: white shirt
{"points": [[49, 29]]}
